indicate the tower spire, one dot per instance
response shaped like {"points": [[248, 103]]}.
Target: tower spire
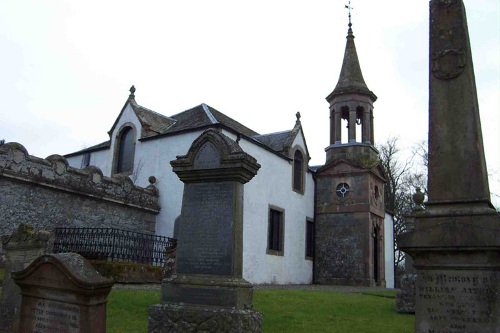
{"points": [[351, 78]]}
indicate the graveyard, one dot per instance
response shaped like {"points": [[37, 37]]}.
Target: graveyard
{"points": [[301, 311]]}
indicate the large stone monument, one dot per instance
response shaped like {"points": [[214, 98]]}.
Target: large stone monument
{"points": [[62, 293], [208, 293], [456, 241]]}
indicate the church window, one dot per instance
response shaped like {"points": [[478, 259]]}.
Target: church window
{"points": [[85, 160], [275, 231], [298, 171], [126, 150], [309, 239], [342, 190]]}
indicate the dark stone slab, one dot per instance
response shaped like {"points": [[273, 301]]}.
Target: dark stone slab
{"points": [[62, 293], [206, 242], [405, 297]]}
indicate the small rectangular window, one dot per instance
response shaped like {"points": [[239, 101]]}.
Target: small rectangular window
{"points": [[275, 231], [309, 239], [85, 160]]}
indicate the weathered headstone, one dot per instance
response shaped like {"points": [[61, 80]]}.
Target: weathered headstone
{"points": [[405, 297], [62, 293], [456, 241], [208, 293], [21, 249]]}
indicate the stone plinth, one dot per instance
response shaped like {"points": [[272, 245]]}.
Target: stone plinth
{"points": [[180, 318], [21, 249], [62, 293], [457, 259], [207, 291]]}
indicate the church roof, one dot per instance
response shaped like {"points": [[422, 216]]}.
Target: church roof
{"points": [[155, 125], [152, 122], [204, 116], [351, 78], [276, 141]]}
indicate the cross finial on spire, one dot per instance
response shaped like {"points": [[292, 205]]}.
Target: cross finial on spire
{"points": [[132, 92], [348, 6]]}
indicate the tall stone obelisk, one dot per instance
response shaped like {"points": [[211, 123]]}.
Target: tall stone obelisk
{"points": [[456, 241]]}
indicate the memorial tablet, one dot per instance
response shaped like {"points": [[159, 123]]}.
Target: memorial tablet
{"points": [[62, 293], [208, 286]]}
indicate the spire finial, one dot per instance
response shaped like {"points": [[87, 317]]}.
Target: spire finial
{"points": [[132, 92], [297, 115], [348, 7]]}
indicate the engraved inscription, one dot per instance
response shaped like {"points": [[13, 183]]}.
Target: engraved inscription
{"points": [[456, 302], [50, 316], [207, 233]]}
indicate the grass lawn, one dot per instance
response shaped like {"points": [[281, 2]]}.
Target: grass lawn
{"points": [[283, 310]]}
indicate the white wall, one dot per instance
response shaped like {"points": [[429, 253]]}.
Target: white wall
{"points": [[389, 250], [273, 185]]}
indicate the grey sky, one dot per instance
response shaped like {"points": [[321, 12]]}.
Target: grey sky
{"points": [[67, 66]]}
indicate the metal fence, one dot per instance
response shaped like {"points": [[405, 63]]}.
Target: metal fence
{"points": [[113, 245]]}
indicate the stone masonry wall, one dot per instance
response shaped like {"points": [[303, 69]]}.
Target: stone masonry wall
{"points": [[48, 193]]}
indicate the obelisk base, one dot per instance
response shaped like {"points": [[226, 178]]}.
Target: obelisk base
{"points": [[456, 248]]}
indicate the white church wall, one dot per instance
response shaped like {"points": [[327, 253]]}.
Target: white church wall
{"points": [[389, 250], [153, 158], [273, 186]]}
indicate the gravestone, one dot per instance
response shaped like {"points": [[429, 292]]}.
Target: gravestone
{"points": [[456, 241], [21, 249], [62, 293], [405, 297], [207, 291]]}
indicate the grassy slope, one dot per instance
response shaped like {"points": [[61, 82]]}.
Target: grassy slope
{"points": [[284, 311]]}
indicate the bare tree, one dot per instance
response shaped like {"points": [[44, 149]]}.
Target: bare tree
{"points": [[403, 177]]}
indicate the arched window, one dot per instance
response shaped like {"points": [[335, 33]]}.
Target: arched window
{"points": [[298, 171], [125, 154]]}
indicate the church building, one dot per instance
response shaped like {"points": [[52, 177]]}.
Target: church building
{"points": [[301, 224]]}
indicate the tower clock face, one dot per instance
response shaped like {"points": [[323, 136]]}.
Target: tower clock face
{"points": [[342, 190]]}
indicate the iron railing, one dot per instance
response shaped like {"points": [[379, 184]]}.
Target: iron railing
{"points": [[113, 245]]}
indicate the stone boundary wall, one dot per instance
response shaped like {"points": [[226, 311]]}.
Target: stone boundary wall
{"points": [[48, 193]]}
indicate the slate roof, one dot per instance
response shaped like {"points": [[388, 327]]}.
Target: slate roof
{"points": [[155, 125], [279, 142], [151, 121], [204, 116], [97, 147]]}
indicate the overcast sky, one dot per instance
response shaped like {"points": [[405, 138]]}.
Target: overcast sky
{"points": [[67, 66]]}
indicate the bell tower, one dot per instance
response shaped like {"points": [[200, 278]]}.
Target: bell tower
{"points": [[352, 101], [349, 205]]}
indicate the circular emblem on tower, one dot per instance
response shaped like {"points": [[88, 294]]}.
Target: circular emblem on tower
{"points": [[448, 64]]}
